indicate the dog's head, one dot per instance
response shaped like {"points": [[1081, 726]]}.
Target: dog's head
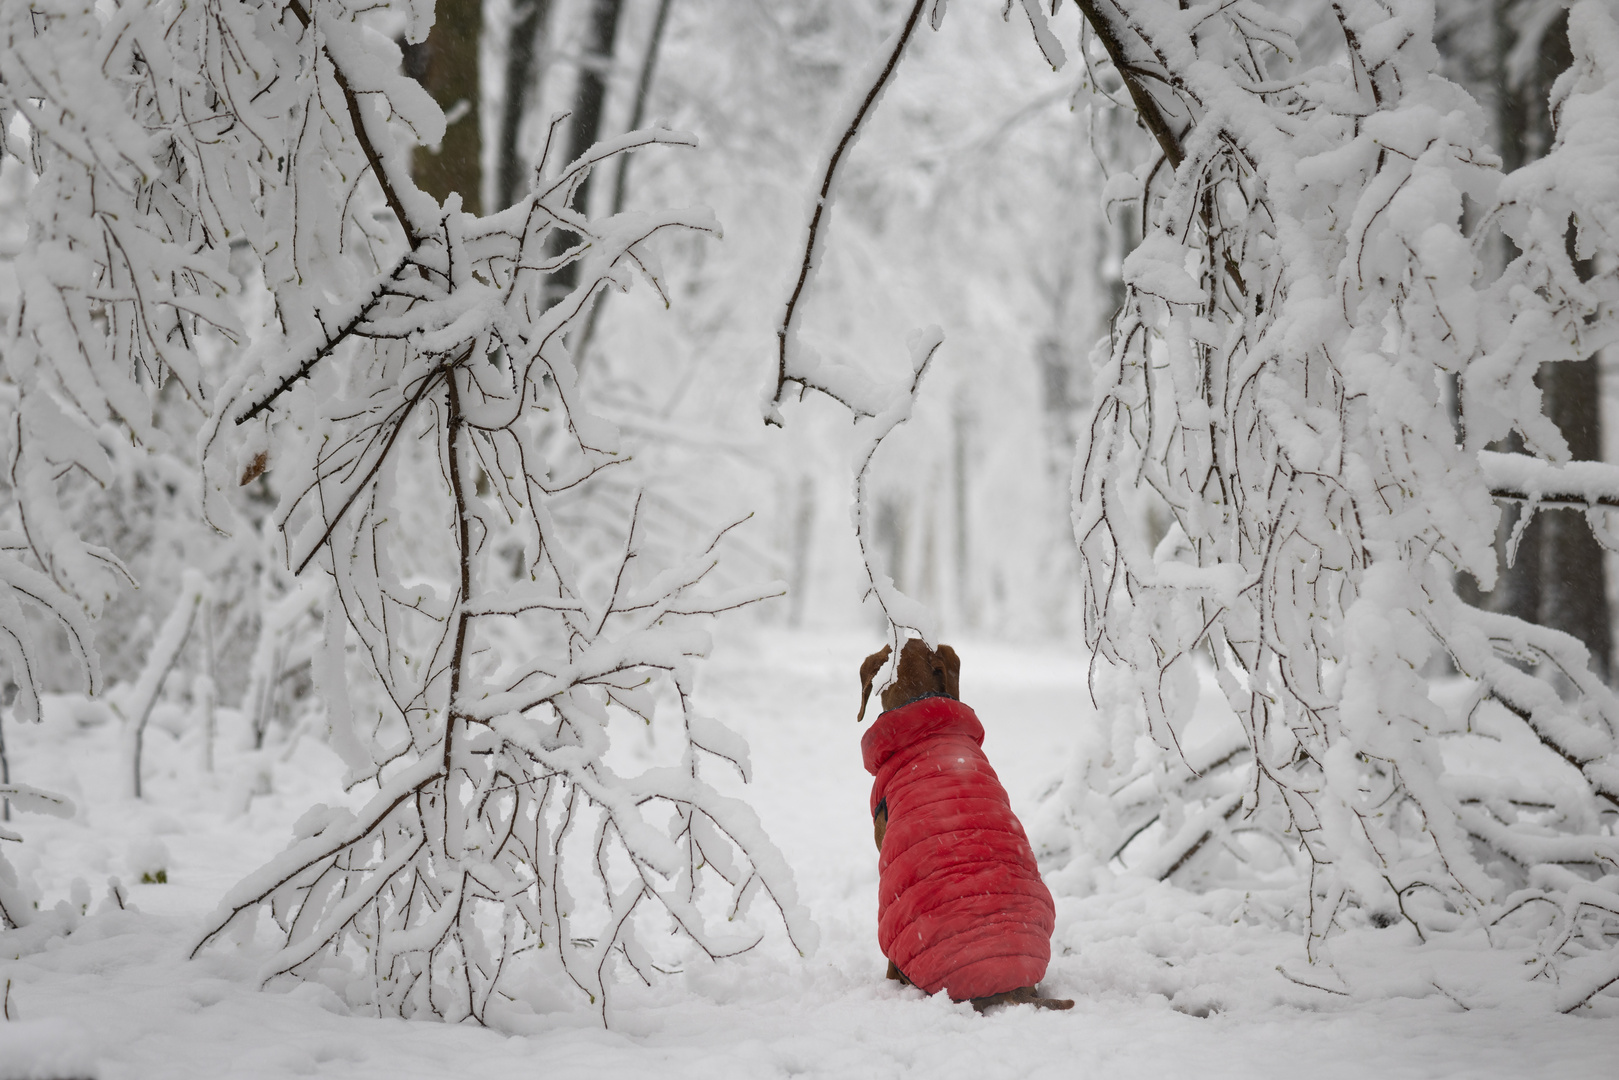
{"points": [[921, 671]]}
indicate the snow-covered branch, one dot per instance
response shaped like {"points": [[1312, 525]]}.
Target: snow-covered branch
{"points": [[1303, 291], [876, 410], [424, 419], [1523, 478]]}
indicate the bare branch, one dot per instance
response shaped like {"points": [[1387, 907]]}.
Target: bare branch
{"points": [[813, 242]]}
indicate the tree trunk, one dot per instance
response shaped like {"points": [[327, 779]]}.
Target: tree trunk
{"points": [[447, 65], [1573, 585], [643, 90], [1558, 579], [962, 516], [522, 49], [589, 100]]}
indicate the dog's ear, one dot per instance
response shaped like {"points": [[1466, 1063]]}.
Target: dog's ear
{"points": [[952, 671], [868, 671]]}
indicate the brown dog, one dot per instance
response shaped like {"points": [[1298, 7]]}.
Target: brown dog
{"points": [[923, 672]]}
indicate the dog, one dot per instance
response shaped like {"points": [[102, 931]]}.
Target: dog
{"points": [[961, 906]]}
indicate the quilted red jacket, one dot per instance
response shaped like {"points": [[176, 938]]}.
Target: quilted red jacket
{"points": [[961, 906]]}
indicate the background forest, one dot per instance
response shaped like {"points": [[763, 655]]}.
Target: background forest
{"points": [[439, 539]]}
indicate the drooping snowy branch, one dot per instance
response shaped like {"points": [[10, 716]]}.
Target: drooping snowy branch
{"points": [[420, 410], [796, 362], [851, 388], [876, 410], [901, 613], [1302, 292]]}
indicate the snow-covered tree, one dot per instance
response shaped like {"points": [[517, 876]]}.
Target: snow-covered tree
{"points": [[1277, 378], [115, 309], [1508, 54], [392, 366]]}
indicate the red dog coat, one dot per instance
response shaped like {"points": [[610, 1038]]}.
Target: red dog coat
{"points": [[961, 906]]}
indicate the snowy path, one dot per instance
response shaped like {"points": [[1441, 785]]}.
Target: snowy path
{"points": [[116, 998]]}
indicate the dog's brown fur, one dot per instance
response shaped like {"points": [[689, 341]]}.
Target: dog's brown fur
{"points": [[922, 671]]}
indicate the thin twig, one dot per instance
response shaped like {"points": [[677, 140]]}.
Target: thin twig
{"points": [[427, 384], [363, 136], [378, 293], [813, 241]]}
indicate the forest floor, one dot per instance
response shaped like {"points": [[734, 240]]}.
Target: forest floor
{"points": [[1168, 983]]}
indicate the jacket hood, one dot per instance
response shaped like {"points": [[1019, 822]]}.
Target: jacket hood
{"points": [[898, 728]]}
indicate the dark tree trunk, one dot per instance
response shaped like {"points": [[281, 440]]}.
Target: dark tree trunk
{"points": [[1557, 579], [447, 65], [643, 90], [1523, 108], [590, 96], [1573, 587], [589, 101], [962, 514], [522, 77]]}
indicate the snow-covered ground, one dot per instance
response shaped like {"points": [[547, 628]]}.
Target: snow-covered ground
{"points": [[1167, 983]]}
